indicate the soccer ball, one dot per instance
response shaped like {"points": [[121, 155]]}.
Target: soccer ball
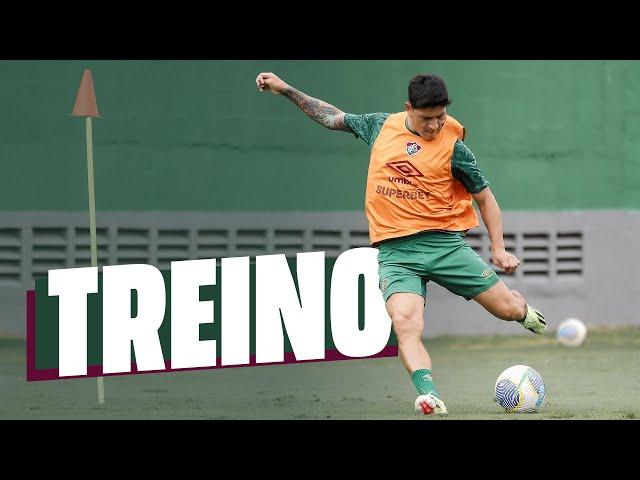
{"points": [[571, 332], [520, 389]]}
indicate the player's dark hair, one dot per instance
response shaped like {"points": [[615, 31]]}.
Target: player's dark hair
{"points": [[426, 91]]}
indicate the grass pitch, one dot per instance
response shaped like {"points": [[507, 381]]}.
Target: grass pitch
{"points": [[599, 380]]}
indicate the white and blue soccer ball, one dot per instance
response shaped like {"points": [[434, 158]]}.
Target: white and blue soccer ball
{"points": [[571, 332], [520, 389]]}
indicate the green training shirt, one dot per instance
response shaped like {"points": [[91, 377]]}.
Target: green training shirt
{"points": [[463, 163]]}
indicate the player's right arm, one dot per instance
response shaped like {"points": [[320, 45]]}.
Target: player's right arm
{"points": [[321, 112]]}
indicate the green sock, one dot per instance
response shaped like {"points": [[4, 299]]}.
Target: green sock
{"points": [[424, 382]]}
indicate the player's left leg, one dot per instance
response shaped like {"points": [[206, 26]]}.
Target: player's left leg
{"points": [[458, 268], [503, 303], [511, 305]]}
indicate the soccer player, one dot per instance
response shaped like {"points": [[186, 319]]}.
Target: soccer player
{"points": [[421, 185]]}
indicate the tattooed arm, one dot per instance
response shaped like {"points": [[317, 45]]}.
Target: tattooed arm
{"points": [[321, 112]]}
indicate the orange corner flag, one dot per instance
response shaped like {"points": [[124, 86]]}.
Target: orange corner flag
{"points": [[86, 105]]}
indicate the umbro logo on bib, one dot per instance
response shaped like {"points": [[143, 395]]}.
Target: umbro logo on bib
{"points": [[405, 168], [413, 148]]}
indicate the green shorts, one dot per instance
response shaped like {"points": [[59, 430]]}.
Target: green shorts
{"points": [[406, 264]]}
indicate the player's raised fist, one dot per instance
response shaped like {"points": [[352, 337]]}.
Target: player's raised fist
{"points": [[270, 82]]}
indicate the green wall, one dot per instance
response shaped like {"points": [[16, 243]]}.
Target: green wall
{"points": [[196, 135]]}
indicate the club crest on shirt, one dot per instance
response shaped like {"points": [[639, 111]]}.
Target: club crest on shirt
{"points": [[413, 148]]}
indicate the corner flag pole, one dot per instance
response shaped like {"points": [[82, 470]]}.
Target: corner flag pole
{"points": [[86, 106]]}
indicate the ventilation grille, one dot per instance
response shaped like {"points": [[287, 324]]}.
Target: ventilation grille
{"points": [[31, 250], [536, 255], [289, 242], [569, 254], [251, 242], [133, 245], [212, 243], [173, 245], [10, 256], [49, 250], [329, 241], [83, 247], [545, 255], [358, 238]]}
